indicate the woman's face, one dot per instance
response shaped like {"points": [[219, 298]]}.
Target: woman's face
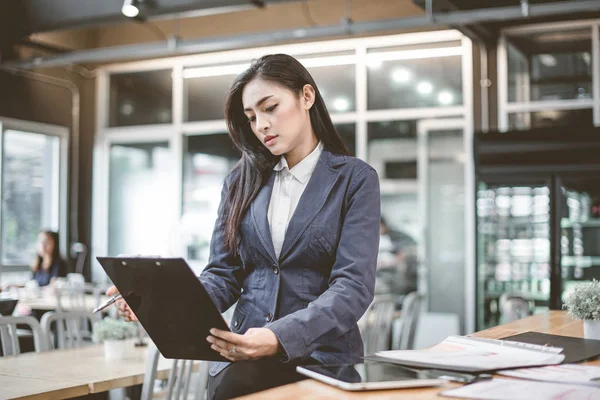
{"points": [[278, 117], [45, 244]]}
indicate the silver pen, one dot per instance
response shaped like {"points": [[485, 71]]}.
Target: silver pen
{"points": [[108, 302]]}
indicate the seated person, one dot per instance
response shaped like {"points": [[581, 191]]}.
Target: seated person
{"points": [[48, 264]]}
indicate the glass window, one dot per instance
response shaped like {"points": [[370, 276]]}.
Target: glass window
{"points": [[207, 161], [141, 98], [141, 199], [550, 118], [348, 134], [433, 82], [206, 97], [30, 193], [337, 85], [550, 66]]}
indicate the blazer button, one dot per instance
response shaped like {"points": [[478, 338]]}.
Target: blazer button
{"points": [[236, 323], [269, 317], [275, 270]]}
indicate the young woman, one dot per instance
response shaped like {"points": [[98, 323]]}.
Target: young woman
{"points": [[296, 239], [47, 264]]}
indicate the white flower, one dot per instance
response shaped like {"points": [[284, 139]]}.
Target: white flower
{"points": [[113, 329], [584, 301]]}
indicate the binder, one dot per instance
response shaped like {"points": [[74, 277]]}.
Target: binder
{"points": [[170, 302], [475, 355], [575, 349]]}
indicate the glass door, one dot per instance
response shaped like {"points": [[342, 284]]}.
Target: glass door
{"points": [[579, 213], [441, 171], [142, 195]]}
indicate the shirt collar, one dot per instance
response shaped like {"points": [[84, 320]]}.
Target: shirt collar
{"points": [[303, 170]]}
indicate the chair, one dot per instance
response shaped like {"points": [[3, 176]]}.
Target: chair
{"points": [[513, 306], [79, 250], [73, 289], [180, 379], [404, 338], [72, 328], [10, 339], [376, 323]]}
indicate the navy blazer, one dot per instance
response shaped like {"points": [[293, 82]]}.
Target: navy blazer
{"points": [[324, 280]]}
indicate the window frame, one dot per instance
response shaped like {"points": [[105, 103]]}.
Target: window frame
{"points": [[62, 133]]}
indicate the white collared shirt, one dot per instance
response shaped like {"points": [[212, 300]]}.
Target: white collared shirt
{"points": [[288, 187]]}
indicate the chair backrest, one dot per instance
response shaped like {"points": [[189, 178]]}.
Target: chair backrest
{"points": [[180, 379], [513, 307], [377, 323], [72, 328], [80, 251], [73, 289], [411, 307], [10, 339]]}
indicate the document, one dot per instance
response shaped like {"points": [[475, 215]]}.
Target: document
{"points": [[565, 373], [470, 354], [515, 389]]}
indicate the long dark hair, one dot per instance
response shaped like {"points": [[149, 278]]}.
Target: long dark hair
{"points": [[257, 162], [37, 262]]}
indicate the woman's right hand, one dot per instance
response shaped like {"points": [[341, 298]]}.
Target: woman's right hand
{"points": [[122, 308]]}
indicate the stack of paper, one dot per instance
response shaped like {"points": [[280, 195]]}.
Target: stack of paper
{"points": [[469, 354], [565, 373], [515, 389]]}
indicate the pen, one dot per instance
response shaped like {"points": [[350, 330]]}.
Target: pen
{"points": [[108, 302]]}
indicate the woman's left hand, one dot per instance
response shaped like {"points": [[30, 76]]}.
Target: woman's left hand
{"points": [[255, 343]]}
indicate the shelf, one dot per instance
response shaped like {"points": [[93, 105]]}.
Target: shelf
{"points": [[590, 223], [580, 261]]}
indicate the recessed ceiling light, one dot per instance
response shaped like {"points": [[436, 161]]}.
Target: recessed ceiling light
{"points": [[341, 104], [445, 97], [425, 87], [401, 75]]}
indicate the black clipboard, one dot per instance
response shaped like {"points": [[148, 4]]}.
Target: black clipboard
{"points": [[575, 349], [170, 302]]}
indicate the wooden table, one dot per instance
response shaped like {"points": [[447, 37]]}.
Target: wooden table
{"points": [[63, 373], [49, 302], [553, 322]]}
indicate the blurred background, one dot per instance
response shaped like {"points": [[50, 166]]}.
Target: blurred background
{"points": [[481, 119]]}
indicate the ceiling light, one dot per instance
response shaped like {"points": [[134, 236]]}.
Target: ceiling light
{"points": [[548, 60], [445, 98], [401, 75], [341, 104], [130, 8], [425, 87]]}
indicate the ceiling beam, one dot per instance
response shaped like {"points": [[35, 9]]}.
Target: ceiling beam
{"points": [[205, 45]]}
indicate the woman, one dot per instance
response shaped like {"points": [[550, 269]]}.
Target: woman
{"points": [[296, 239], [47, 264]]}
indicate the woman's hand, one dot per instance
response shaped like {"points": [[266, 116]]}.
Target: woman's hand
{"points": [[123, 309], [255, 343]]}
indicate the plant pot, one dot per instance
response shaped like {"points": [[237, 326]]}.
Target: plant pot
{"points": [[115, 349], [591, 329]]}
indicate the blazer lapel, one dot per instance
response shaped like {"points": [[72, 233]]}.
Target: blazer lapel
{"points": [[259, 209], [312, 200]]}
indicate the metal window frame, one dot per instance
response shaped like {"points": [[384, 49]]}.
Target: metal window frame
{"points": [[505, 108], [316, 52], [62, 133]]}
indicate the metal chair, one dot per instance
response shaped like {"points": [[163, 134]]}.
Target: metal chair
{"points": [[404, 336], [180, 379], [513, 306], [10, 339], [376, 324], [73, 289], [72, 328]]}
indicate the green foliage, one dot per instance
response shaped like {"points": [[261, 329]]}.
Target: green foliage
{"points": [[584, 301], [113, 329]]}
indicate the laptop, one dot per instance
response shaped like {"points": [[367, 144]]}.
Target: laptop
{"points": [[170, 302], [369, 376]]}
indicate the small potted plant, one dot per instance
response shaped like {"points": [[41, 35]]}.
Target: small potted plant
{"points": [[113, 332], [584, 303]]}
